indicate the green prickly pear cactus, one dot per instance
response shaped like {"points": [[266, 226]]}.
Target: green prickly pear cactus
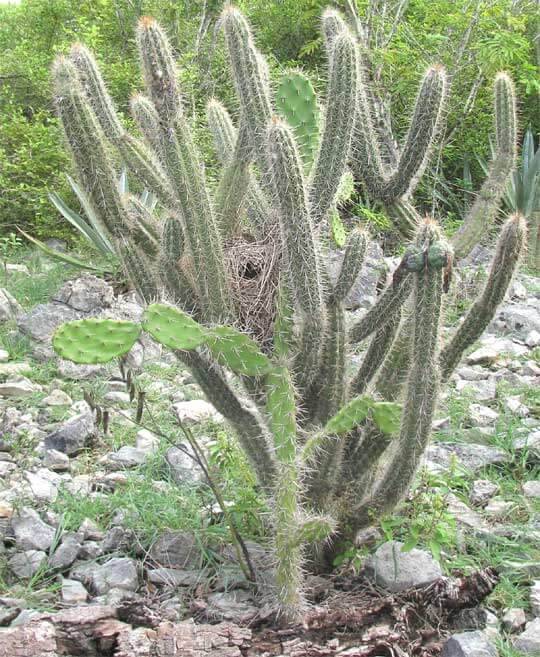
{"points": [[237, 351], [297, 104], [92, 341], [173, 328]]}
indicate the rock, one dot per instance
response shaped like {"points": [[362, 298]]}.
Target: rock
{"points": [[472, 373], [183, 468], [16, 268], [531, 489], [177, 549], [194, 411], [86, 294], [73, 435], [475, 618], [466, 516], [514, 405], [482, 416], [234, 606], [483, 356], [513, 619], [520, 318], [173, 577], [90, 550], [65, 554], [21, 387], [4, 356], [6, 468], [534, 598], [485, 390], [26, 617], [118, 539], [117, 397], [472, 456], [499, 509], [73, 592], [529, 640], [528, 368], [90, 531], [13, 369], [532, 339], [55, 460], [41, 322], [7, 614], [530, 443], [119, 573], [469, 644], [25, 565], [31, 533], [146, 441], [396, 571], [365, 285], [10, 308], [126, 457], [482, 490], [69, 370], [44, 484], [58, 398]]}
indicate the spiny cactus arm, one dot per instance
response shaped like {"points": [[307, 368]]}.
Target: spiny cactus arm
{"points": [[353, 261], [289, 191], [252, 433], [425, 123], [250, 75], [379, 347], [139, 269], [340, 115], [142, 228], [422, 385], [534, 238], [159, 72], [96, 91], [480, 216], [87, 144], [390, 300], [333, 24], [170, 267], [225, 137], [510, 246]]}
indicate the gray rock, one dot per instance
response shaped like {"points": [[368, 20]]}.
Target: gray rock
{"points": [[534, 598], [472, 373], [90, 530], [514, 619], [519, 318], [65, 554], [194, 411], [117, 397], [396, 571], [482, 416], [55, 460], [119, 573], [499, 509], [86, 294], [515, 406], [173, 577], [10, 308], [118, 539], [20, 387], [44, 484], [73, 592], [127, 457], [529, 640], [532, 339], [466, 516], [90, 550], [7, 614], [469, 644], [41, 322], [176, 549], [365, 287], [472, 456], [475, 618], [485, 390], [480, 256], [31, 533], [482, 490], [183, 468], [234, 606], [531, 489], [146, 441], [25, 565], [4, 356], [73, 435], [27, 616], [57, 398], [530, 443]]}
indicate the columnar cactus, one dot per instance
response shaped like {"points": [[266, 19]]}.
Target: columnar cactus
{"points": [[315, 432]]}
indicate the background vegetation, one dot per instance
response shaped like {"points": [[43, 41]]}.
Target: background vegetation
{"points": [[498, 34]]}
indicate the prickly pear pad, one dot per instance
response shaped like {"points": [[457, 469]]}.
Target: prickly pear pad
{"points": [[238, 352], [173, 328], [297, 104], [91, 341]]}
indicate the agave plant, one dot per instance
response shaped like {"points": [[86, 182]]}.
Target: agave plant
{"points": [[90, 226]]}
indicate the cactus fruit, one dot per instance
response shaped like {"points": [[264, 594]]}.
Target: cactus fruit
{"points": [[92, 341], [327, 453], [297, 104]]}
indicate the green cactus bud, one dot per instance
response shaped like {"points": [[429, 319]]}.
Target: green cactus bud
{"points": [[297, 104], [237, 351], [91, 341], [173, 328]]}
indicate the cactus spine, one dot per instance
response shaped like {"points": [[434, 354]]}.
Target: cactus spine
{"points": [[315, 446]]}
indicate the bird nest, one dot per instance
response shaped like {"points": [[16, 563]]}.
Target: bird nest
{"points": [[253, 269]]}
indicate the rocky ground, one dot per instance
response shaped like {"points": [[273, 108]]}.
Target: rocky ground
{"points": [[107, 525]]}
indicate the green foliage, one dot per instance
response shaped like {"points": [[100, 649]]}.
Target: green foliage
{"points": [[173, 328]]}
